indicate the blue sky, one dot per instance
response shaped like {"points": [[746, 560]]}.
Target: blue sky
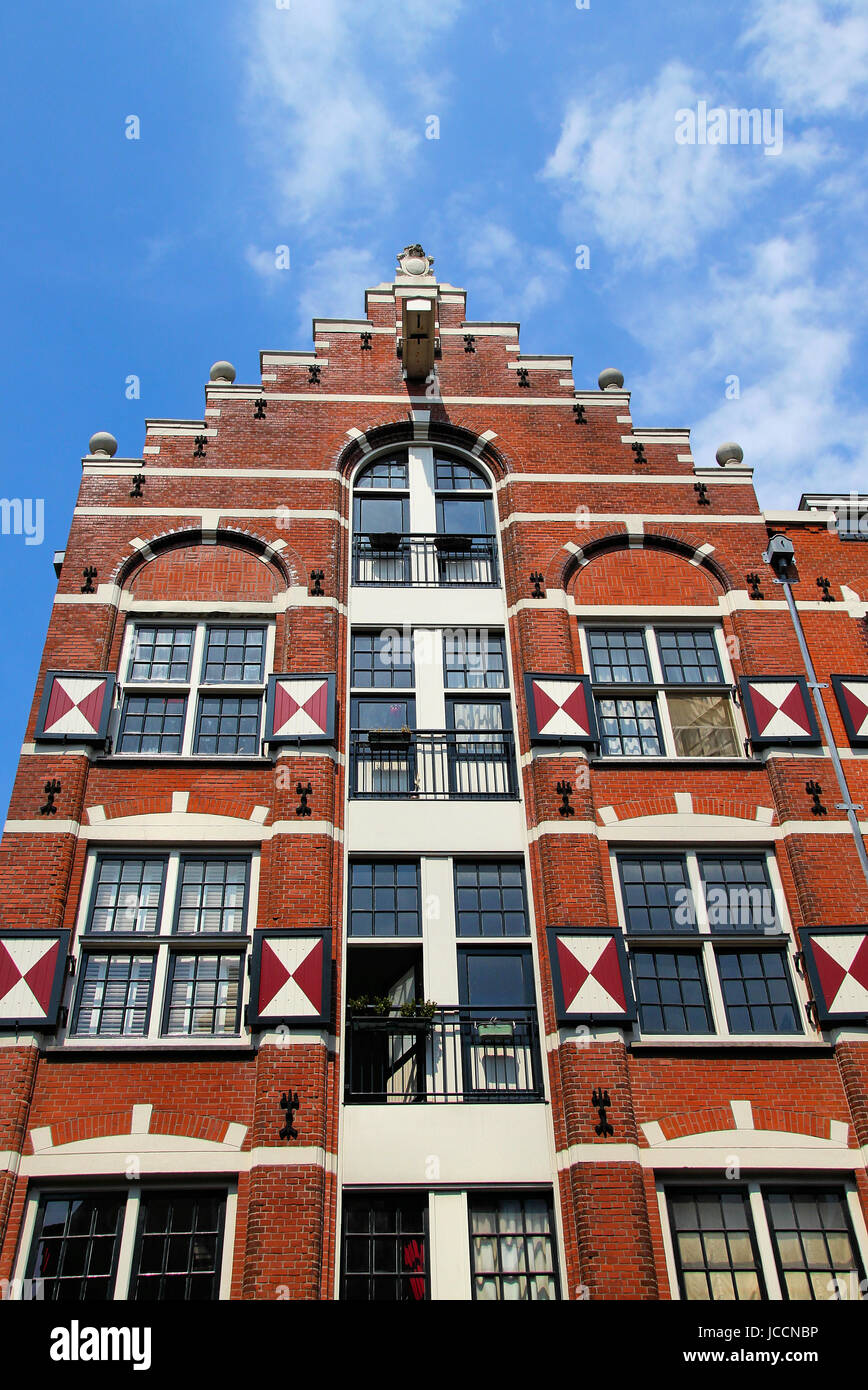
{"points": [[266, 124]]}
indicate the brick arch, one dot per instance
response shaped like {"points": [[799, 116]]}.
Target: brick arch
{"points": [[199, 804], [714, 1119], [110, 1123], [569, 564], [230, 564], [664, 804], [398, 433]]}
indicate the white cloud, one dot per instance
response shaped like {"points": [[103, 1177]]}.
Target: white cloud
{"points": [[525, 277], [333, 97], [814, 52], [791, 339], [617, 168], [334, 285]]}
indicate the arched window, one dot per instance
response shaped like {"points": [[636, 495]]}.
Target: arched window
{"points": [[382, 500], [463, 496]]}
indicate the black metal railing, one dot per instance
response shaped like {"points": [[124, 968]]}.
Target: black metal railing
{"points": [[433, 765], [426, 562], [459, 1054]]}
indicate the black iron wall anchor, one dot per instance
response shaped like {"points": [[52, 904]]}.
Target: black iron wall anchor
{"points": [[523, 376], [314, 372], [815, 791], [89, 576], [316, 589], [365, 343], [825, 585], [639, 450], [200, 445], [51, 790], [304, 792], [754, 582], [701, 490], [536, 579], [565, 791], [136, 489], [601, 1103], [289, 1103], [469, 342], [579, 413], [260, 405]]}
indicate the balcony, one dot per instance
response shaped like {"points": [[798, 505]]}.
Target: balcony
{"points": [[433, 765], [458, 1054], [425, 562]]}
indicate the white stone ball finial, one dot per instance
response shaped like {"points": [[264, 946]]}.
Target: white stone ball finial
{"points": [[223, 372], [729, 453], [103, 444], [610, 379]]}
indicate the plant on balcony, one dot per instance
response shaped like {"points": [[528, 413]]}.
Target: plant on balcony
{"points": [[391, 738], [418, 1008], [370, 1004]]}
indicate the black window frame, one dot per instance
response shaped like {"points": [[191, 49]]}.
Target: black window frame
{"points": [[768, 954], [729, 857], [231, 682], [397, 1197], [199, 952], [646, 948], [374, 862], [814, 1191], [172, 1194], [221, 857], [633, 698], [65, 1194], [157, 627], [696, 1193], [390, 668], [152, 696], [124, 953], [499, 637], [222, 694], [112, 934], [460, 862]]}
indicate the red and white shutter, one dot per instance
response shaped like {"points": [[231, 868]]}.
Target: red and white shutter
{"points": [[75, 706], [851, 692], [32, 971], [301, 709], [836, 960], [778, 709], [560, 709], [291, 978], [590, 974]]}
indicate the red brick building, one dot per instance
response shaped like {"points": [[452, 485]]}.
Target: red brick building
{"points": [[420, 740]]}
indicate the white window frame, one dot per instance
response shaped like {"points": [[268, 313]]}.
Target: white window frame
{"points": [[706, 941], [129, 1225], [161, 944], [196, 686], [660, 696], [667, 1184]]}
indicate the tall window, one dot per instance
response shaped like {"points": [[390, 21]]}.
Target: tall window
{"points": [[490, 898], [174, 1251], [661, 692], [385, 1240], [194, 690], [163, 947], [707, 945], [512, 1248], [762, 1240]]}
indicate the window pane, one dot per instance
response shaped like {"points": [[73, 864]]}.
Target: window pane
{"points": [[382, 660], [629, 728], [75, 1246], [385, 473], [385, 1248], [619, 656], [160, 654], [512, 1248], [114, 995], [689, 657], [757, 992], [384, 899], [703, 727], [474, 659], [490, 898], [152, 724], [234, 654], [179, 1257], [671, 992], [212, 895], [127, 895], [738, 893], [204, 994], [656, 894], [228, 725], [452, 476], [814, 1245], [712, 1239]]}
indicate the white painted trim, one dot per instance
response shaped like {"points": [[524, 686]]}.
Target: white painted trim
{"points": [[687, 518], [186, 1157]]}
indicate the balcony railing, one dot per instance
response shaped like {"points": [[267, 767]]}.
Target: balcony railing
{"points": [[463, 1054], [433, 765], [425, 562]]}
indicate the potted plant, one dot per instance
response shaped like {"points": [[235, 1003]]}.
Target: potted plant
{"points": [[385, 540], [452, 545], [391, 738], [418, 1009]]}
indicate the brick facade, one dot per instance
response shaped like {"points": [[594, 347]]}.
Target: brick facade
{"points": [[233, 530]]}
